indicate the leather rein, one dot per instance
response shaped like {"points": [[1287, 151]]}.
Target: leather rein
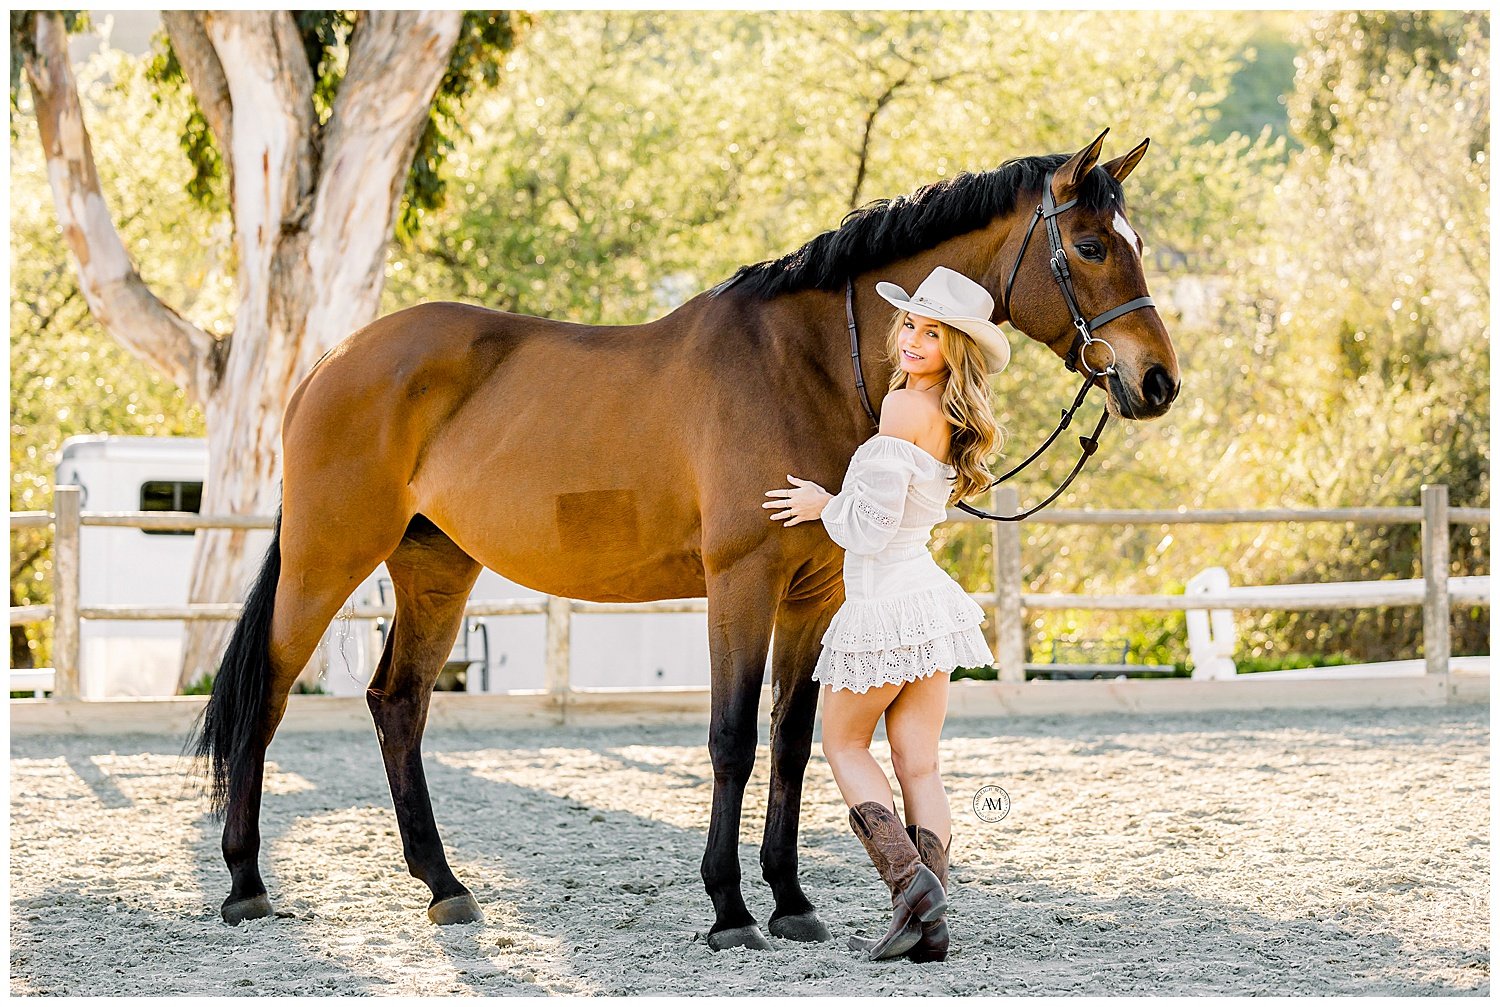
{"points": [[1075, 360]]}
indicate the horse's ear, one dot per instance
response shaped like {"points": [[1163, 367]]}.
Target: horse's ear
{"points": [[1070, 175], [1122, 166]]}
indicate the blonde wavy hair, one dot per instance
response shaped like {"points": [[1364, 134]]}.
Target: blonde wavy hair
{"points": [[974, 433]]}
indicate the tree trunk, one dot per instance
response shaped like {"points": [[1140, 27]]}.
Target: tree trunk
{"points": [[314, 207], [314, 274]]}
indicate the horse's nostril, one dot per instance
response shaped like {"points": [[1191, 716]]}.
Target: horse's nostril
{"points": [[1158, 388]]}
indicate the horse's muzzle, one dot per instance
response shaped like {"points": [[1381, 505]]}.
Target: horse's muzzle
{"points": [[1157, 393]]}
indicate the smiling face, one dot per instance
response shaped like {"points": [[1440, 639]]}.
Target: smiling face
{"points": [[920, 354]]}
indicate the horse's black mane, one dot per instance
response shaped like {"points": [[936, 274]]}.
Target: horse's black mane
{"points": [[890, 229]]}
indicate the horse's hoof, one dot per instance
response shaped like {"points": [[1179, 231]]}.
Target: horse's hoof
{"points": [[458, 909], [739, 937], [800, 927], [255, 908]]}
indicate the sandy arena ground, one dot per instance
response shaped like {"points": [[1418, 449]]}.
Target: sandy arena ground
{"points": [[1260, 853]]}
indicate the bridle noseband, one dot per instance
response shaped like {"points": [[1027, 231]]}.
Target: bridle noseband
{"points": [[1075, 359]]}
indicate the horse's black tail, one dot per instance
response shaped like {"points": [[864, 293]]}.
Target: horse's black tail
{"points": [[232, 722]]}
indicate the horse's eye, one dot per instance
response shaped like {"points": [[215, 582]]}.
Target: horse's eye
{"points": [[1091, 250]]}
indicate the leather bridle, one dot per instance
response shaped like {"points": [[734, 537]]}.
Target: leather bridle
{"points": [[1075, 359]]}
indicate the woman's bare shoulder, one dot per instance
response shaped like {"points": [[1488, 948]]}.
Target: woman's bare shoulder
{"points": [[914, 416], [905, 413]]}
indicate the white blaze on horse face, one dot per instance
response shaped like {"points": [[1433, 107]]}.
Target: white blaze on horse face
{"points": [[1128, 232]]}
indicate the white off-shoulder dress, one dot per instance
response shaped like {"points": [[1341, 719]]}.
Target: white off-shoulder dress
{"points": [[903, 617]]}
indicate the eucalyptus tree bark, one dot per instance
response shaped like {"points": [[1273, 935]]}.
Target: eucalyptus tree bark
{"points": [[314, 208]]}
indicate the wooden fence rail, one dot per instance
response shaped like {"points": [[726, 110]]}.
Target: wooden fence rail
{"points": [[1008, 602]]}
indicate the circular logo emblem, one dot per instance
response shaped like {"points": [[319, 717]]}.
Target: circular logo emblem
{"points": [[991, 804]]}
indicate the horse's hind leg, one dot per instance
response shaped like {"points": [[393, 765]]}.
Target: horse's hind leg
{"points": [[300, 588], [432, 577]]}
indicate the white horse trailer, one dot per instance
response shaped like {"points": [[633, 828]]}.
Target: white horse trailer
{"points": [[129, 566]]}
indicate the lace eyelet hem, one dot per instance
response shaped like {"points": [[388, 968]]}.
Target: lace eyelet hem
{"points": [[862, 671]]}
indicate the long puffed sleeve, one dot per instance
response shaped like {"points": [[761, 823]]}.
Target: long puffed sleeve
{"points": [[865, 514]]}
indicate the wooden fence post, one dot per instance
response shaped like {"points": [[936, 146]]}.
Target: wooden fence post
{"points": [[1010, 619], [1436, 644], [558, 671], [67, 503]]}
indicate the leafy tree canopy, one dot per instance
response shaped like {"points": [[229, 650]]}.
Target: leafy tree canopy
{"points": [[631, 159], [474, 63], [1365, 49]]}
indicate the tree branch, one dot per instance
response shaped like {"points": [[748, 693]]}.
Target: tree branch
{"points": [[117, 296], [200, 64], [864, 143], [273, 153], [396, 61]]}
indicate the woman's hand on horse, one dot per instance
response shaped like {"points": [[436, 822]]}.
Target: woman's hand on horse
{"points": [[804, 502]]}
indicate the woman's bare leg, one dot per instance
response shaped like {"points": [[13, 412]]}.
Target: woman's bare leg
{"points": [[849, 720], [914, 723]]}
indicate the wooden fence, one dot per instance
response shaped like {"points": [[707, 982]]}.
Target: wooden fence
{"points": [[1008, 602]]}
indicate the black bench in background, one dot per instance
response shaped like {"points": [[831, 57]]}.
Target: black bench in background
{"points": [[1081, 659]]}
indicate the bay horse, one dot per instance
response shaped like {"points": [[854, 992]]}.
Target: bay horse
{"points": [[626, 464]]}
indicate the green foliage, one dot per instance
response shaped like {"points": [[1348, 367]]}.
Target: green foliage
{"points": [[592, 181], [22, 32], [325, 42], [1347, 363], [473, 67], [1348, 53], [205, 686], [67, 376], [1286, 661], [21, 46], [633, 158], [1256, 99], [207, 183], [200, 687], [618, 162], [1389, 216]]}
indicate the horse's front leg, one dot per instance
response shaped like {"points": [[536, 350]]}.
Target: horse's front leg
{"points": [[799, 632], [741, 608]]}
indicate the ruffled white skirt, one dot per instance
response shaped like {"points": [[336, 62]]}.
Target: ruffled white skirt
{"points": [[902, 619]]}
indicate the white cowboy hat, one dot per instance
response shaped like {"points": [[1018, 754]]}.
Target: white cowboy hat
{"points": [[951, 297]]}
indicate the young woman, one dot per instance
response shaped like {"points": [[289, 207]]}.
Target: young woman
{"points": [[905, 624]]}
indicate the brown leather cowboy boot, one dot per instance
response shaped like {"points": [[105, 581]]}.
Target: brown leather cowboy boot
{"points": [[916, 894], [933, 945]]}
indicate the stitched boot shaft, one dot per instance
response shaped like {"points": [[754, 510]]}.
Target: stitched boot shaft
{"points": [[889, 845], [934, 855], [916, 894]]}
